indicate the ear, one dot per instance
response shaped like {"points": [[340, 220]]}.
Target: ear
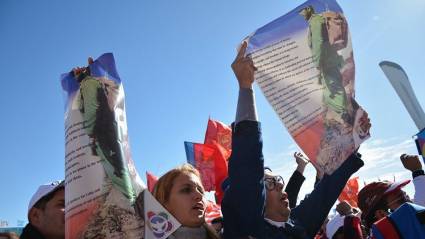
{"points": [[34, 216]]}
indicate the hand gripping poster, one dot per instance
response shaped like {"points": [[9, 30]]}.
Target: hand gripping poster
{"points": [[305, 69], [101, 182]]}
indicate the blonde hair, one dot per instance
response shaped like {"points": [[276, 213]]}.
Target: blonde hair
{"points": [[165, 183]]}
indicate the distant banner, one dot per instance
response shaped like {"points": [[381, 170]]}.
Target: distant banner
{"points": [[401, 84], [101, 180], [306, 71], [16, 230], [420, 143]]}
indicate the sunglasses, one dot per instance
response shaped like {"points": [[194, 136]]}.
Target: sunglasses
{"points": [[271, 182]]}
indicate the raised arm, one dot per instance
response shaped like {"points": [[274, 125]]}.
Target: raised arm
{"points": [[243, 202], [296, 180], [312, 212]]}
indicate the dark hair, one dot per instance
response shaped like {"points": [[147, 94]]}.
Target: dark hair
{"points": [[370, 218], [217, 220], [41, 204]]}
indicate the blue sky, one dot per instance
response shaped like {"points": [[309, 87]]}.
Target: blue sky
{"points": [[174, 60]]}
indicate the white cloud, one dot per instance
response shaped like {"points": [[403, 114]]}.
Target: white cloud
{"points": [[381, 157]]}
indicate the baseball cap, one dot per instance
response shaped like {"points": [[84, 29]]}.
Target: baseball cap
{"points": [[44, 190], [396, 186], [373, 193]]}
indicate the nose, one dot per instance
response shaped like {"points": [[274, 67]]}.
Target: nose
{"points": [[198, 195], [285, 195], [279, 187]]}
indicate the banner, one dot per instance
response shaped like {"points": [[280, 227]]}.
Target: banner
{"points": [[220, 133], [101, 182], [401, 84], [349, 193], [305, 69], [209, 160], [420, 143]]}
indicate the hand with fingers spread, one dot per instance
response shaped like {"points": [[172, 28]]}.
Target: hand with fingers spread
{"points": [[244, 68], [411, 162], [301, 160]]}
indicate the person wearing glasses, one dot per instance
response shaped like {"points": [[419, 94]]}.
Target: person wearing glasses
{"points": [[254, 203]]}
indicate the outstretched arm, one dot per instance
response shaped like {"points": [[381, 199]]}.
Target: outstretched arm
{"points": [[324, 196], [243, 201]]}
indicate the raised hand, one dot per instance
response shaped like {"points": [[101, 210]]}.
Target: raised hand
{"points": [[244, 68]]}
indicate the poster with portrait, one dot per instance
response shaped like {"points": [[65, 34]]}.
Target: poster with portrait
{"points": [[101, 182], [305, 69]]}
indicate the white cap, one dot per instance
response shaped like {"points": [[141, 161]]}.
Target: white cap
{"points": [[397, 185], [333, 225], [43, 191]]}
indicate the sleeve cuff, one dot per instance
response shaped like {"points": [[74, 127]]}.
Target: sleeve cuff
{"points": [[418, 173]]}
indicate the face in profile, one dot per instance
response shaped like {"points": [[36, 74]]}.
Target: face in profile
{"points": [[50, 221], [186, 202], [277, 203], [395, 199]]}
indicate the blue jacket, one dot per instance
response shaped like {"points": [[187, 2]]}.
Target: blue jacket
{"points": [[244, 199], [293, 187]]}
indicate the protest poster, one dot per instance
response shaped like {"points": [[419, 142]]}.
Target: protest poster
{"points": [[305, 69], [101, 182]]}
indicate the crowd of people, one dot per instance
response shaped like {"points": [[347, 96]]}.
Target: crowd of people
{"points": [[256, 203]]}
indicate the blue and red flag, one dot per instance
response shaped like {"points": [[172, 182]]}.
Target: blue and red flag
{"points": [[211, 164]]}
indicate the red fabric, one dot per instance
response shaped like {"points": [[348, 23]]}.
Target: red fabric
{"points": [[219, 137], [212, 165], [350, 191], [204, 162], [221, 134], [151, 179], [212, 211], [220, 171], [352, 228], [386, 228]]}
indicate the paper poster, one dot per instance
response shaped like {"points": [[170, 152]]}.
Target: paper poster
{"points": [[101, 182], [305, 69], [160, 224]]}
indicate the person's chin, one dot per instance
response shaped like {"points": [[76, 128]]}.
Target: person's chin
{"points": [[196, 222]]}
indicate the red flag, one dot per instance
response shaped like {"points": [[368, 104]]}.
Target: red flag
{"points": [[201, 156], [349, 193], [220, 171], [151, 179], [221, 134], [211, 164], [212, 211]]}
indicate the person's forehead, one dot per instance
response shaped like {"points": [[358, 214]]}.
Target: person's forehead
{"points": [[59, 194], [268, 174], [188, 178]]}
